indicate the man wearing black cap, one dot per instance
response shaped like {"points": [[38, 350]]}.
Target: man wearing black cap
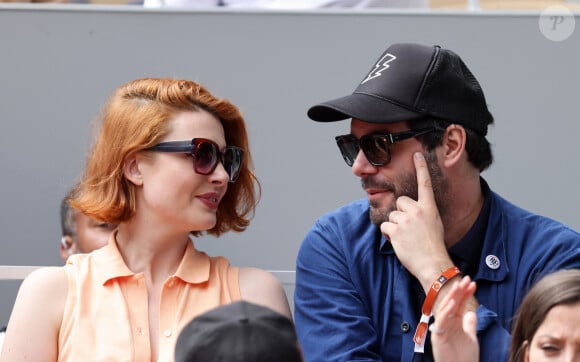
{"points": [[370, 274]]}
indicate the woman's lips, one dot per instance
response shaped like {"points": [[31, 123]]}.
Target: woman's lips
{"points": [[211, 200]]}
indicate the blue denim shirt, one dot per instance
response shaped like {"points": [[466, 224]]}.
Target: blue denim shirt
{"points": [[354, 300]]}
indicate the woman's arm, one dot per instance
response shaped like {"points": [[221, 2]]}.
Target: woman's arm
{"points": [[32, 332]]}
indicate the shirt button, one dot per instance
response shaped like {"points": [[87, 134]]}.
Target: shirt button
{"points": [[405, 327], [167, 333]]}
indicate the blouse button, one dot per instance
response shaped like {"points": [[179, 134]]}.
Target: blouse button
{"points": [[405, 327], [167, 333]]}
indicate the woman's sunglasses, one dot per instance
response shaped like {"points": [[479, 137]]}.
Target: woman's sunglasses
{"points": [[376, 147], [206, 155]]}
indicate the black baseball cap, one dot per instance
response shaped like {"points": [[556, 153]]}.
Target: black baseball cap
{"points": [[238, 332], [411, 81]]}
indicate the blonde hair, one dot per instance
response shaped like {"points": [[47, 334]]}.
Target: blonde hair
{"points": [[137, 117]]}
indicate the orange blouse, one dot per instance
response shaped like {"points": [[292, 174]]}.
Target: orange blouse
{"points": [[106, 314]]}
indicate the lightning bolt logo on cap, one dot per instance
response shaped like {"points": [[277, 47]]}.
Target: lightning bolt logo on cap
{"points": [[383, 63]]}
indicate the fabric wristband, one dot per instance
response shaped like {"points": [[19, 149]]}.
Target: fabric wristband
{"points": [[421, 331]]}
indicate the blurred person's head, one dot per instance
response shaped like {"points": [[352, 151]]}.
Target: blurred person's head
{"points": [[547, 326], [239, 332], [80, 233], [135, 123]]}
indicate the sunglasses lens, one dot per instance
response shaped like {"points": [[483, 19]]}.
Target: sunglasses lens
{"points": [[348, 146], [205, 157], [376, 149], [232, 161]]}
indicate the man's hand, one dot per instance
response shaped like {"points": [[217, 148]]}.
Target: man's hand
{"points": [[416, 231]]}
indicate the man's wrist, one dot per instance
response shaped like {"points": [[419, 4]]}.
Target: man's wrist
{"points": [[432, 274], [471, 303], [428, 305]]}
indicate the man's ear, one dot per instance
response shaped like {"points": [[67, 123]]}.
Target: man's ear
{"points": [[131, 170], [66, 247], [454, 142]]}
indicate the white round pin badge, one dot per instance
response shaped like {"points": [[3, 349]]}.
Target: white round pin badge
{"points": [[492, 261]]}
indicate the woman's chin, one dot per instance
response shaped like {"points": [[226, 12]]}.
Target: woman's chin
{"points": [[203, 225]]}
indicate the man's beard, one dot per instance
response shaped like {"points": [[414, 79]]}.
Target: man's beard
{"points": [[406, 185]]}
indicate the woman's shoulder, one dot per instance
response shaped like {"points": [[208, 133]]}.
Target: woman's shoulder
{"points": [[41, 299], [42, 294], [50, 279], [46, 284], [262, 287]]}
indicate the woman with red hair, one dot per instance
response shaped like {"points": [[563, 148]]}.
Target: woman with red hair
{"points": [[170, 162]]}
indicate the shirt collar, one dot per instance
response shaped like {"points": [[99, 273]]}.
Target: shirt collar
{"points": [[109, 264], [194, 267]]}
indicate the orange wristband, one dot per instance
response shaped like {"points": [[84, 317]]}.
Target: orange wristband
{"points": [[421, 331]]}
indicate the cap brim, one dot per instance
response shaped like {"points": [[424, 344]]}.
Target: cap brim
{"points": [[361, 106]]}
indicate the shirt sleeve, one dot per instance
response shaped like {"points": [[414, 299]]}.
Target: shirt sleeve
{"points": [[331, 318]]}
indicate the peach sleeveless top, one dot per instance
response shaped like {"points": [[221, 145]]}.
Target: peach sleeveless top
{"points": [[106, 315]]}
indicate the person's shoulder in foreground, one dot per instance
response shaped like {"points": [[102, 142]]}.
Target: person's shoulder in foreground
{"points": [[363, 271], [239, 332]]}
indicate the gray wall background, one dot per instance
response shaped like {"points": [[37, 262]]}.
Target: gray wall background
{"points": [[58, 64]]}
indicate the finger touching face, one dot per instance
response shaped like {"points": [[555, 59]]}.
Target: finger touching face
{"points": [[424, 185]]}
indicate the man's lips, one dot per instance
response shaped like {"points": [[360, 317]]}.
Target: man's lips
{"points": [[377, 193]]}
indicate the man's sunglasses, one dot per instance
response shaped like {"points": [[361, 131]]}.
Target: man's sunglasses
{"points": [[206, 155], [375, 146]]}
